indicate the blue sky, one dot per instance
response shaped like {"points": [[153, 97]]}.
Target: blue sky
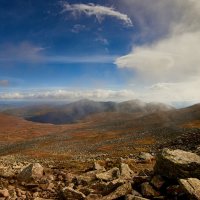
{"points": [[106, 50]]}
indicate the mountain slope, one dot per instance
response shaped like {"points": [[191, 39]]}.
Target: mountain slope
{"points": [[75, 111]]}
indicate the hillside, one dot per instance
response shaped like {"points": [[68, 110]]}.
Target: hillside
{"points": [[75, 111], [113, 133]]}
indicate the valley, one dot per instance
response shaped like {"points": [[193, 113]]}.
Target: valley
{"points": [[104, 131]]}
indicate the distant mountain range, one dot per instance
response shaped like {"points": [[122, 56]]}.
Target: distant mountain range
{"points": [[73, 112], [101, 127]]}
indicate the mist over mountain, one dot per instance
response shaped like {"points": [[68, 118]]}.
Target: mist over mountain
{"points": [[72, 112]]}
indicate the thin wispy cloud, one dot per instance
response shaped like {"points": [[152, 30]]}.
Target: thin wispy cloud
{"points": [[64, 94], [28, 53], [100, 12], [77, 28], [102, 40]]}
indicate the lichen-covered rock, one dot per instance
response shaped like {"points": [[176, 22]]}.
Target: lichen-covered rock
{"points": [[109, 175], [71, 194], [31, 172], [178, 164], [192, 187]]}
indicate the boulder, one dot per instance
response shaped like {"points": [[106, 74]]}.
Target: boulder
{"points": [[109, 175], [126, 172], [121, 191], [31, 172], [177, 164], [71, 194], [192, 187], [148, 191]]}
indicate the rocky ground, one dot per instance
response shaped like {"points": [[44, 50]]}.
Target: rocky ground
{"points": [[171, 174]]}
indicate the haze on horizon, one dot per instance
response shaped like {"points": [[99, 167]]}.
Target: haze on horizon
{"points": [[100, 50]]}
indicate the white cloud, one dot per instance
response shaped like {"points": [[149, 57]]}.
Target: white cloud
{"points": [[174, 92], [63, 94], [170, 61], [97, 10]]}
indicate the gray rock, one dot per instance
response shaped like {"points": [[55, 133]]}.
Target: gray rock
{"points": [[177, 164], [110, 175], [31, 172], [71, 194], [192, 187]]}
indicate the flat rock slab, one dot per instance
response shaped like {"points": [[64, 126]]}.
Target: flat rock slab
{"points": [[177, 164], [192, 187]]}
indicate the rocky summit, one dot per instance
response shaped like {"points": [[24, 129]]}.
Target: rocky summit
{"points": [[175, 175]]}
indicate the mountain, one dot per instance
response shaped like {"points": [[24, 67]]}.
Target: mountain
{"points": [[72, 112], [75, 111], [172, 117], [107, 127]]}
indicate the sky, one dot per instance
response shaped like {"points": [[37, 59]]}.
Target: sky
{"points": [[100, 49]]}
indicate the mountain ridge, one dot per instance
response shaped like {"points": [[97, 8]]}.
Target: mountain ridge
{"points": [[78, 110]]}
